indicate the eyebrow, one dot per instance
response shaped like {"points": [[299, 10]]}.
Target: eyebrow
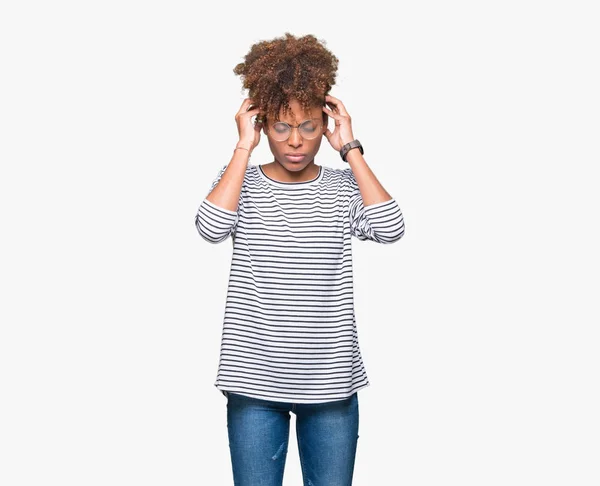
{"points": [[303, 120]]}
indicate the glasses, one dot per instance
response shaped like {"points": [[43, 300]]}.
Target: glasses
{"points": [[309, 129]]}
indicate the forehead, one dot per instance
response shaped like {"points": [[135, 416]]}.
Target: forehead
{"points": [[297, 113]]}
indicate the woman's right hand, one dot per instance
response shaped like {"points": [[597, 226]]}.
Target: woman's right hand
{"points": [[249, 132]]}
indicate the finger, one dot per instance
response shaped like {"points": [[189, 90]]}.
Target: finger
{"points": [[335, 101], [338, 109], [245, 104], [339, 105], [246, 115], [331, 113], [331, 100], [251, 113]]}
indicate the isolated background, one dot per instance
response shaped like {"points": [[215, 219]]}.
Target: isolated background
{"points": [[479, 329]]}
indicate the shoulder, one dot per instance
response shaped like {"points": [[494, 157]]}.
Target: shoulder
{"points": [[252, 176], [344, 178], [251, 172], [338, 175]]}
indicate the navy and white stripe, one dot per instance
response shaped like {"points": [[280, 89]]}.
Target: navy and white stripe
{"points": [[289, 330]]}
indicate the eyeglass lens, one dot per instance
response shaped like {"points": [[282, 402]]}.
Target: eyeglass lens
{"points": [[308, 129]]}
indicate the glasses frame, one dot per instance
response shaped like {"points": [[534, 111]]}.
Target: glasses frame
{"points": [[291, 127]]}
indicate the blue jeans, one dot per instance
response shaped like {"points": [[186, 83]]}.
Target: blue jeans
{"points": [[327, 435]]}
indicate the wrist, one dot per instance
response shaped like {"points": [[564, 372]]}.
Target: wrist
{"points": [[244, 145], [348, 149], [244, 148]]}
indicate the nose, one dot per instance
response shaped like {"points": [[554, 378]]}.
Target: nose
{"points": [[295, 138]]}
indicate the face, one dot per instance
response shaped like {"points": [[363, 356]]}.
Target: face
{"points": [[296, 143]]}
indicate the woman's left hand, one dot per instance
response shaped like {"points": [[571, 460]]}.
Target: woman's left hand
{"points": [[342, 133]]}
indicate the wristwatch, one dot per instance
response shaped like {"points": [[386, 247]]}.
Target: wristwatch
{"points": [[349, 146]]}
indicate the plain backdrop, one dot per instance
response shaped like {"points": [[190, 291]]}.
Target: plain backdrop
{"points": [[479, 328]]}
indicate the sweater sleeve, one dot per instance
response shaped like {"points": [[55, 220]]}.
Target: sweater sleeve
{"points": [[381, 222], [214, 223]]}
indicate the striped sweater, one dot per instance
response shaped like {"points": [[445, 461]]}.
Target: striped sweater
{"points": [[289, 329]]}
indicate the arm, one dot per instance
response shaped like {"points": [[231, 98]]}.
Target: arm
{"points": [[217, 216], [374, 213], [226, 193]]}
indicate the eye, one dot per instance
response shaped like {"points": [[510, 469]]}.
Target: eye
{"points": [[309, 126], [281, 127]]}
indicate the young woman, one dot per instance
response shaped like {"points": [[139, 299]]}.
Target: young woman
{"points": [[290, 341]]}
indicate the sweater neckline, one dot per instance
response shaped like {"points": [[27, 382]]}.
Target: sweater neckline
{"points": [[291, 184]]}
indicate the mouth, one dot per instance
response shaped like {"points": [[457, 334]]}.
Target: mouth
{"points": [[295, 157]]}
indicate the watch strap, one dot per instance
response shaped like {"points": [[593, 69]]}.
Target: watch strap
{"points": [[349, 146]]}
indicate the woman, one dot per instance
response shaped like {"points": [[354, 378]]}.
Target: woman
{"points": [[289, 341]]}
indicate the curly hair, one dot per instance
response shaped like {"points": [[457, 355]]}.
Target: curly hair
{"points": [[288, 67]]}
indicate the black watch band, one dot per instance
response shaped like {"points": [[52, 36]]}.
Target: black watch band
{"points": [[349, 146]]}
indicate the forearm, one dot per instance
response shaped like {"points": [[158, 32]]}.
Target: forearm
{"points": [[371, 190], [376, 215], [226, 193]]}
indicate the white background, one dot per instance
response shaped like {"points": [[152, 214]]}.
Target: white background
{"points": [[479, 328]]}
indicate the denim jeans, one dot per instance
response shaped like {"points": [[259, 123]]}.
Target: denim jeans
{"points": [[327, 435]]}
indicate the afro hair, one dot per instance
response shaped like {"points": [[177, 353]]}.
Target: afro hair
{"points": [[284, 68]]}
